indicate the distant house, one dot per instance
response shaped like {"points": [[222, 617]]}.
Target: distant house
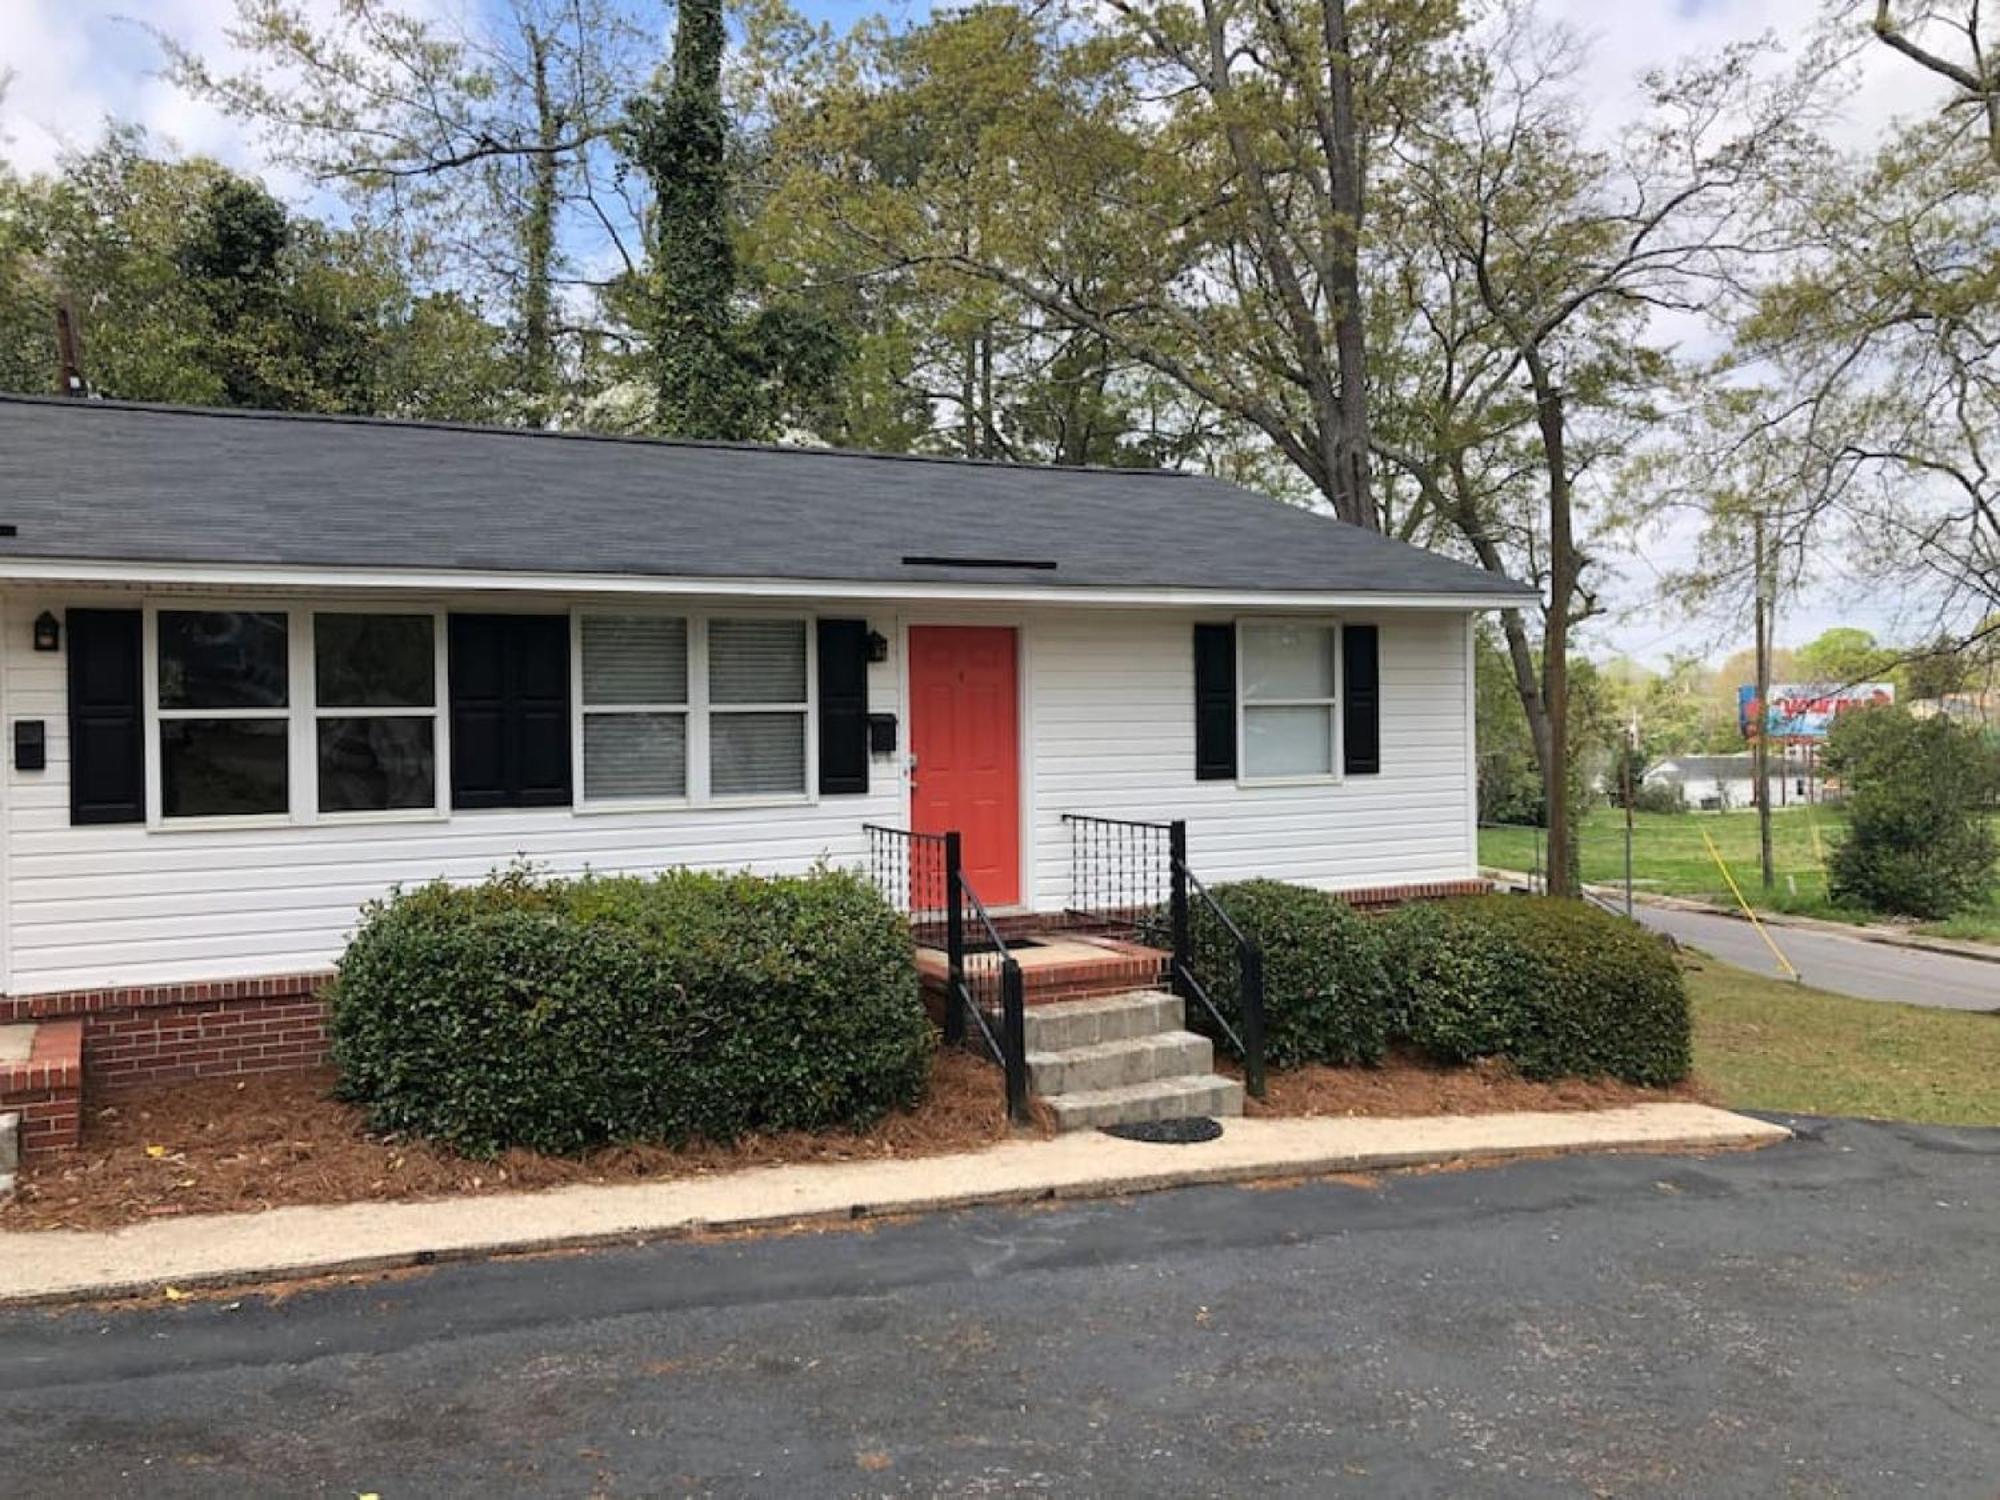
{"points": [[1717, 783]]}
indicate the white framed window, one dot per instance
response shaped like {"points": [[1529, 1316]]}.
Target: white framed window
{"points": [[377, 711], [1288, 691], [274, 713], [634, 707], [759, 707], [221, 695], [693, 709]]}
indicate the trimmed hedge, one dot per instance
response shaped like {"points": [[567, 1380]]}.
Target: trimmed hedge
{"points": [[559, 1015], [1557, 988], [1324, 984]]}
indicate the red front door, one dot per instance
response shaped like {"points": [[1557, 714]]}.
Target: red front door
{"points": [[964, 733]]}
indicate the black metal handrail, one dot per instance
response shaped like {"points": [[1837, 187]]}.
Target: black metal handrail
{"points": [[1122, 871], [923, 876], [1249, 967]]}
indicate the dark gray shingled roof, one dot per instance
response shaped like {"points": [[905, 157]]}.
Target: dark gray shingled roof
{"points": [[102, 481]]}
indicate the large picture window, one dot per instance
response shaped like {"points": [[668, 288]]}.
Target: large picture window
{"points": [[224, 713], [1289, 675], [375, 710], [696, 708]]}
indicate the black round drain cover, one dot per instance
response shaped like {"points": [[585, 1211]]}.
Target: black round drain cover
{"points": [[1184, 1132]]}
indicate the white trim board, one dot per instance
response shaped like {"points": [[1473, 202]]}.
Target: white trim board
{"points": [[447, 580]]}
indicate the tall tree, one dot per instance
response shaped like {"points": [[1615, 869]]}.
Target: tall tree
{"points": [[1184, 182], [192, 283], [483, 136], [1530, 264], [679, 137], [945, 361]]}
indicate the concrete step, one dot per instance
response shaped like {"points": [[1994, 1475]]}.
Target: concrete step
{"points": [[1107, 1065], [1103, 1018], [1159, 1099]]}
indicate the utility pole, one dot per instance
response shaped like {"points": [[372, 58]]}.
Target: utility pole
{"points": [[68, 356], [1625, 776], [1563, 867], [1760, 756]]}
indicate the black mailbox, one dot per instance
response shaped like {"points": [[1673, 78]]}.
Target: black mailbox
{"points": [[881, 734], [31, 745]]}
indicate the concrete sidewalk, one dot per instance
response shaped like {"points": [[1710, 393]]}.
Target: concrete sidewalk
{"points": [[223, 1249]]}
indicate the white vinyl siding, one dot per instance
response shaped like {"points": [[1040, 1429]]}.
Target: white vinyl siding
{"points": [[129, 904], [1107, 723], [1112, 715]]}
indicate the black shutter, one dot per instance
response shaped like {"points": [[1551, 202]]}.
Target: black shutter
{"points": [[843, 707], [1215, 702], [107, 722], [510, 711], [1361, 709]]}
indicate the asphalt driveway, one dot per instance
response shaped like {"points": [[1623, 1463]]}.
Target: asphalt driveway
{"points": [[1844, 965], [1819, 1318]]}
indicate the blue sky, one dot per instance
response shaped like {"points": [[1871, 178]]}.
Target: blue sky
{"points": [[76, 61]]}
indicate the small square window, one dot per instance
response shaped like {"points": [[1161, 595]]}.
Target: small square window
{"points": [[223, 768], [375, 661], [223, 659], [757, 753], [378, 763], [634, 756]]}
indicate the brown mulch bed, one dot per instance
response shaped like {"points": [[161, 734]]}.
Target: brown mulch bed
{"points": [[229, 1145], [225, 1145], [1410, 1086]]}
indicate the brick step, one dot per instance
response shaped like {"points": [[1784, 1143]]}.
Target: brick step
{"points": [[1106, 1018], [1158, 1099], [1106, 1065], [41, 1081]]}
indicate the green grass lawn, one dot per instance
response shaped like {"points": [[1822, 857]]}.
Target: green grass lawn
{"points": [[1764, 1044], [1669, 858]]}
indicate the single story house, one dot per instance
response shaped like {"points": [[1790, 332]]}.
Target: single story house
{"points": [[1720, 783], [257, 669]]}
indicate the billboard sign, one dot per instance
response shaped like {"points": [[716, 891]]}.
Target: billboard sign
{"points": [[1806, 710]]}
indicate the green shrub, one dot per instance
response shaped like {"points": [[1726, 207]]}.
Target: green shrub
{"points": [[1659, 797], [1324, 985], [1557, 988], [1917, 840], [561, 1014]]}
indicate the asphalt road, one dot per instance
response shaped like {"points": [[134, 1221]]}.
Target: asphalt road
{"points": [[1847, 966], [1820, 1318]]}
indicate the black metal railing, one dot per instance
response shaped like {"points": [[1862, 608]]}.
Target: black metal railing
{"points": [[1135, 875], [923, 876], [910, 870]]}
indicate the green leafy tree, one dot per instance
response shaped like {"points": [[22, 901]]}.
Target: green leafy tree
{"points": [[720, 368], [1844, 655], [190, 283], [883, 142], [483, 141], [1918, 841]]}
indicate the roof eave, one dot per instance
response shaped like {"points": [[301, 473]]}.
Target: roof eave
{"points": [[182, 575]]}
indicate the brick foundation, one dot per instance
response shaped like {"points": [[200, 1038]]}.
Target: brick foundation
{"points": [[1382, 897], [160, 1033]]}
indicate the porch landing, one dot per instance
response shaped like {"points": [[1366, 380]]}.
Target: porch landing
{"points": [[1058, 965]]}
